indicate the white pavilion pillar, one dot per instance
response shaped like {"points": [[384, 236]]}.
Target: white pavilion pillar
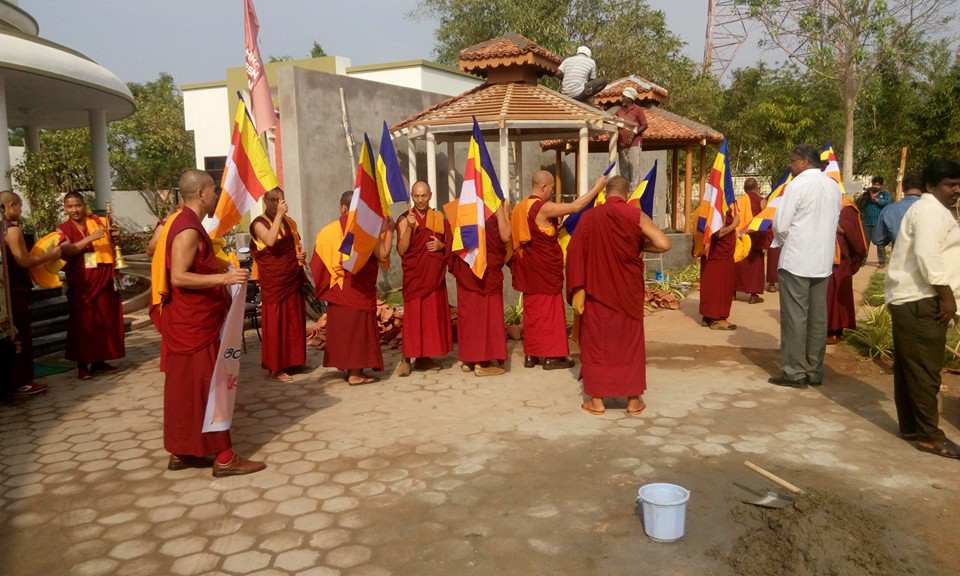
{"points": [[518, 162], [432, 166], [583, 161], [4, 147], [411, 162], [504, 174], [33, 139], [100, 158], [451, 173]]}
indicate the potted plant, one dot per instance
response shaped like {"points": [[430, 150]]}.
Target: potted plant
{"points": [[512, 317]]}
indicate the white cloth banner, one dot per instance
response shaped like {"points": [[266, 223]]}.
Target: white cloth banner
{"points": [[223, 383]]}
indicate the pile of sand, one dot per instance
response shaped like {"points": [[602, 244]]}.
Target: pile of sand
{"points": [[820, 535]]}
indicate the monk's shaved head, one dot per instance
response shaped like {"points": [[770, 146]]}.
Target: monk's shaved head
{"points": [[346, 198], [10, 204], [8, 196], [618, 186], [541, 178], [542, 185], [193, 181], [421, 194]]}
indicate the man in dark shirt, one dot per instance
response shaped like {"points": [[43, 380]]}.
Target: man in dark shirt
{"points": [[871, 203], [629, 138]]}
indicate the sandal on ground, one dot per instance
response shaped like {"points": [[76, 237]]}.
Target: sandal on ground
{"points": [[282, 378], [721, 325], [630, 412], [591, 410], [31, 389], [944, 448]]}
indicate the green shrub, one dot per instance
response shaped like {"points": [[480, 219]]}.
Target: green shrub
{"points": [[874, 294], [874, 334]]}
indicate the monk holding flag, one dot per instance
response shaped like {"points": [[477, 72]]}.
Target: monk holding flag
{"points": [[423, 242], [190, 303], [537, 266], [717, 222], [351, 299], [851, 253], [95, 330], [605, 285], [279, 257], [749, 271]]}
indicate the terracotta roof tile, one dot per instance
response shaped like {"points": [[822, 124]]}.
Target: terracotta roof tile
{"points": [[647, 90], [665, 130], [507, 50]]}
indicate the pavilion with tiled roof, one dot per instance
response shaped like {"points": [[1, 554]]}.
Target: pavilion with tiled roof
{"points": [[510, 107]]}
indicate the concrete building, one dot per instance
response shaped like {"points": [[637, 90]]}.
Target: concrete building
{"points": [[46, 86], [209, 106]]}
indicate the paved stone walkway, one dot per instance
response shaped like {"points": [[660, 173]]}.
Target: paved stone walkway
{"points": [[439, 473]]}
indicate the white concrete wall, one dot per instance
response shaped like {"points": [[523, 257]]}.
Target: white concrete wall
{"points": [[342, 63], [410, 77], [442, 82], [420, 78], [205, 112]]}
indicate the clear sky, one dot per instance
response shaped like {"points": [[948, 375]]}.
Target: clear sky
{"points": [[196, 40]]}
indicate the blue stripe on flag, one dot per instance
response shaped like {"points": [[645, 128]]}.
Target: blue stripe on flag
{"points": [[470, 236], [346, 247]]}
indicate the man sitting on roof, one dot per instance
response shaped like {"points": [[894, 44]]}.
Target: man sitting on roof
{"points": [[579, 75], [628, 140]]}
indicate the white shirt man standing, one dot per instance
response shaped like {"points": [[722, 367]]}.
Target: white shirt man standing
{"points": [[805, 226], [579, 74], [922, 288]]}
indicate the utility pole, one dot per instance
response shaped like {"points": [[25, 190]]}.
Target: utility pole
{"points": [[726, 32], [708, 39]]}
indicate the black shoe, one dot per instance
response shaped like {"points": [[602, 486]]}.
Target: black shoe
{"points": [[558, 363], [814, 382], [530, 361], [787, 382]]}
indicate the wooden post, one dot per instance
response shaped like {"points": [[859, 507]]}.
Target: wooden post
{"points": [[703, 185], [432, 166], [612, 153], [451, 172], [900, 171], [674, 187], [518, 163], [687, 190], [505, 165], [411, 161], [583, 157], [558, 176]]}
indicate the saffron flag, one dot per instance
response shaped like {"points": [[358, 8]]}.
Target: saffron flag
{"points": [[832, 169], [389, 177], [763, 220], [366, 216], [480, 196], [261, 100], [717, 198], [247, 176]]}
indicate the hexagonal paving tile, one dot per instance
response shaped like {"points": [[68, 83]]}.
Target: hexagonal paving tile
{"points": [[246, 562]]}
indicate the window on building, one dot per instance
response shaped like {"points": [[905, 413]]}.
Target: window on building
{"points": [[214, 165]]}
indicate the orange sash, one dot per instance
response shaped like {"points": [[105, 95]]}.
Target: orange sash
{"points": [[159, 283]]}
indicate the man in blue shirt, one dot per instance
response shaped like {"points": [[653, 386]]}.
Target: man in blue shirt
{"points": [[871, 202], [888, 225]]}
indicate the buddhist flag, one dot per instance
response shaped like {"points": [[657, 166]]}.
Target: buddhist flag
{"points": [[246, 177], [47, 275], [763, 220], [389, 177], [480, 196], [832, 169], [717, 198], [261, 100], [366, 216], [643, 194]]}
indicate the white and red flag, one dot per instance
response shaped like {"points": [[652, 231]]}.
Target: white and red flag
{"points": [[261, 101]]}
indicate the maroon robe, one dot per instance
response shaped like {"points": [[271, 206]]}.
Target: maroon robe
{"points": [[353, 337], [538, 272], [749, 271], [841, 309], [190, 323], [480, 327], [605, 259], [20, 287], [426, 308], [773, 262], [717, 276], [282, 308], [95, 330]]}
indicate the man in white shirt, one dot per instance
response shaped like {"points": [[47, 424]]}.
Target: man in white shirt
{"points": [[579, 76], [922, 288], [805, 226]]}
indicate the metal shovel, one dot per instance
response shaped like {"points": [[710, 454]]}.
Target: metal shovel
{"points": [[770, 499]]}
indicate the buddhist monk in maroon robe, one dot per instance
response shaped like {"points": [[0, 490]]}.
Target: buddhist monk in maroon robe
{"points": [[605, 285], [482, 344], [851, 254], [18, 261], [95, 330], [353, 344], [279, 257], [191, 314], [718, 276], [423, 241], [537, 267], [749, 271]]}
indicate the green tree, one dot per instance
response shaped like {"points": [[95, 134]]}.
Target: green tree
{"points": [[317, 50], [151, 148], [846, 41]]}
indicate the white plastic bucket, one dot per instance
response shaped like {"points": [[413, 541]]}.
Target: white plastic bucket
{"points": [[664, 510]]}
